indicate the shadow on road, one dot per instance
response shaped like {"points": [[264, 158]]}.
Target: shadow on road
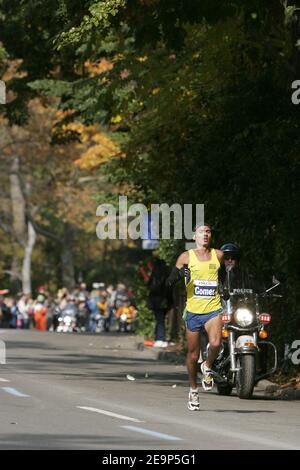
{"points": [[102, 363], [242, 411], [59, 441]]}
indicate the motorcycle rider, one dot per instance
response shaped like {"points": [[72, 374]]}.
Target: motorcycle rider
{"points": [[231, 255], [238, 276], [111, 296], [230, 264], [82, 312], [200, 268], [102, 306], [92, 305], [121, 296], [130, 312], [240, 279]]}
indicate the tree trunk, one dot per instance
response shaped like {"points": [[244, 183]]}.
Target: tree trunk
{"points": [[15, 274], [26, 270], [23, 231], [17, 202], [18, 225], [68, 272]]}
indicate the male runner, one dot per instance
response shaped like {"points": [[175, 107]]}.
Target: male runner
{"points": [[203, 307]]}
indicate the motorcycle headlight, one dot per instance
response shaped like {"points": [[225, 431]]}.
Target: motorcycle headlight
{"points": [[123, 317], [68, 320], [243, 317]]}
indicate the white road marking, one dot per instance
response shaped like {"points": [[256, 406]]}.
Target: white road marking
{"points": [[4, 380], [166, 437], [14, 392], [109, 413]]}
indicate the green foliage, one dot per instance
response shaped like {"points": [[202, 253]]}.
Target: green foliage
{"points": [[3, 53], [27, 32], [98, 17], [57, 88], [169, 250], [289, 13], [146, 322]]}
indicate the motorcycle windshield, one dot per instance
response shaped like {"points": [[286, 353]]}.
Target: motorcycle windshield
{"points": [[242, 287], [69, 310]]}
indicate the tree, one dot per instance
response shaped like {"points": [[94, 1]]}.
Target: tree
{"points": [[49, 194], [197, 96], [202, 95]]}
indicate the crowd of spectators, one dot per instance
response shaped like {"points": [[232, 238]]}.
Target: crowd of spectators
{"points": [[100, 305]]}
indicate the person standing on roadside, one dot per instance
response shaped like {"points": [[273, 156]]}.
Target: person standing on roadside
{"points": [[159, 300], [40, 312]]}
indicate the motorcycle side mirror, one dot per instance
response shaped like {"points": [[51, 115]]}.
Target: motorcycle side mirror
{"points": [[273, 287], [275, 280]]}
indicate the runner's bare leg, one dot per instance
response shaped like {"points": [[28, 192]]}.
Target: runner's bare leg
{"points": [[214, 331], [193, 343]]}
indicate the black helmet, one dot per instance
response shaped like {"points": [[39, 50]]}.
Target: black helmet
{"points": [[231, 248]]}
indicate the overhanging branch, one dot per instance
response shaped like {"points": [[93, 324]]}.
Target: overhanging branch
{"points": [[44, 232]]}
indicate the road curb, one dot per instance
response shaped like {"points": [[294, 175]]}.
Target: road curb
{"points": [[275, 391], [161, 354]]}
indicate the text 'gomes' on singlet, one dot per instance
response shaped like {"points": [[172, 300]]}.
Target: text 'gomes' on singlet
{"points": [[202, 291]]}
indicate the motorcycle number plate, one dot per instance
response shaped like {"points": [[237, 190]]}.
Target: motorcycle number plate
{"points": [[205, 289], [244, 341]]}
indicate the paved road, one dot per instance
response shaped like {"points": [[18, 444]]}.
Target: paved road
{"points": [[61, 391]]}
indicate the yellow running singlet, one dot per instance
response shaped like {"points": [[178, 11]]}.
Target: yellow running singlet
{"points": [[202, 291]]}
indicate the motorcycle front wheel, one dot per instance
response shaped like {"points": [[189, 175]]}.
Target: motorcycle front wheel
{"points": [[246, 376]]}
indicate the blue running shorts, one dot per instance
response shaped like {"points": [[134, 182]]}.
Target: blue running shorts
{"points": [[195, 321]]}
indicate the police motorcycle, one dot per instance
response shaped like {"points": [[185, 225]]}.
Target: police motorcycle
{"points": [[67, 319], [96, 319], [246, 356], [126, 318], [82, 313]]}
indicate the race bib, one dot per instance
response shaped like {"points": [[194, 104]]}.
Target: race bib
{"points": [[205, 289]]}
